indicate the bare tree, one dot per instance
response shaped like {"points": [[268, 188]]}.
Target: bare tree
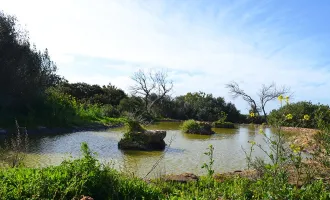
{"points": [[270, 92], [236, 91], [266, 93], [156, 82]]}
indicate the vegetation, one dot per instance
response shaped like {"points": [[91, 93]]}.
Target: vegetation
{"points": [[32, 93], [86, 176], [266, 93], [71, 179], [222, 123], [284, 176], [316, 113], [196, 127]]}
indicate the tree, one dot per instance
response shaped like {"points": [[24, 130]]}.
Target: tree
{"points": [[270, 92], [266, 93], [146, 84], [25, 72], [236, 92]]}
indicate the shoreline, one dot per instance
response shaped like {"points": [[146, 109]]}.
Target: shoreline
{"points": [[60, 130]]}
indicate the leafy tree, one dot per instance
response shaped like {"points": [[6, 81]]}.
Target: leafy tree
{"points": [[94, 94], [25, 72]]}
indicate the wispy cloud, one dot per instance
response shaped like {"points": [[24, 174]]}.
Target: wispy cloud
{"points": [[204, 44]]}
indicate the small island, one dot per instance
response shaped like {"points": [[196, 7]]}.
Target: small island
{"points": [[138, 138], [195, 127]]}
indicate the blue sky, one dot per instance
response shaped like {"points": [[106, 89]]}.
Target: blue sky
{"points": [[204, 44]]}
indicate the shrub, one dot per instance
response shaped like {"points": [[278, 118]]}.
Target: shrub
{"points": [[109, 111], [298, 110], [190, 126], [195, 127], [223, 125]]}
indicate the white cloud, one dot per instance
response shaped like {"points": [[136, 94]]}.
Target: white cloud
{"points": [[155, 33]]}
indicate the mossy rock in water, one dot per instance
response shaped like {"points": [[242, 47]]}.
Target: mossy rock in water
{"points": [[223, 125], [146, 140], [195, 127]]}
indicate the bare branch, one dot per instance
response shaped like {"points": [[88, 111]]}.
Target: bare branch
{"points": [[266, 93], [149, 83], [270, 92], [236, 92]]}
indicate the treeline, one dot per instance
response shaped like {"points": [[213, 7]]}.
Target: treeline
{"points": [[197, 105], [33, 93]]}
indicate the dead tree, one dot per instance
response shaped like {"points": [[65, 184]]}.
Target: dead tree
{"points": [[236, 92], [156, 82], [270, 92], [267, 93]]}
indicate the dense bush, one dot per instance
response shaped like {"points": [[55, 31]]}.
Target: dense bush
{"points": [[316, 112]]}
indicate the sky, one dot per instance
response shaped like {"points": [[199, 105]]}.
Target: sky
{"points": [[203, 44]]}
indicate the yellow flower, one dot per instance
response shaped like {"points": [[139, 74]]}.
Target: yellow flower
{"points": [[261, 131], [280, 98], [252, 142], [252, 114], [306, 117], [295, 148], [289, 116], [287, 99]]}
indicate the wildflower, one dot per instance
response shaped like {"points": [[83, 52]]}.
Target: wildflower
{"points": [[280, 98], [252, 114], [306, 117], [287, 99], [252, 142], [261, 131], [295, 148], [289, 116]]}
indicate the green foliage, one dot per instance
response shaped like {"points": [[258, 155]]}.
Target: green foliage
{"points": [[268, 187], [86, 176], [71, 179], [132, 125], [298, 110], [209, 166], [223, 125], [25, 73], [13, 152], [190, 126], [93, 94], [195, 127]]}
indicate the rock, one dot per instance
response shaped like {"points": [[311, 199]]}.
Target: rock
{"points": [[86, 198], [181, 178], [145, 140]]}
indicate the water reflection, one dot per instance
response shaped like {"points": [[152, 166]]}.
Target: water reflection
{"points": [[185, 154]]}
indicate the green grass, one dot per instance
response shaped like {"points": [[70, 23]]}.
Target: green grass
{"points": [[86, 176], [71, 179]]}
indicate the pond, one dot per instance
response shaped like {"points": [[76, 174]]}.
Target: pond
{"points": [[185, 153]]}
